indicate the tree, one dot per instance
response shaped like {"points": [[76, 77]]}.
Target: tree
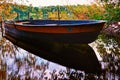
{"points": [[109, 46], [112, 9], [5, 10]]}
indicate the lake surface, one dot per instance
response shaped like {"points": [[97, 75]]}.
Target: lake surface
{"points": [[16, 63]]}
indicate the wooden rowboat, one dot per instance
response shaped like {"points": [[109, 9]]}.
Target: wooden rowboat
{"points": [[61, 41], [61, 31]]}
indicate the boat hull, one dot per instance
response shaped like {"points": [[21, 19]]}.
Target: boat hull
{"points": [[36, 38]]}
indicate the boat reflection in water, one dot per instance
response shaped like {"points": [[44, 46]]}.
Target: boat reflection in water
{"points": [[64, 42], [16, 63]]}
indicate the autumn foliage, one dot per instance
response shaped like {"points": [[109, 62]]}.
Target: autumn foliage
{"points": [[9, 11]]}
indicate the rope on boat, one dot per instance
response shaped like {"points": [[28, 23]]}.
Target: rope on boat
{"points": [[1, 26], [58, 12]]}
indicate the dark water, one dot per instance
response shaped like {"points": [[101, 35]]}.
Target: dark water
{"points": [[17, 63]]}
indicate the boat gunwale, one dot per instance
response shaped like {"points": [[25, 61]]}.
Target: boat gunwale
{"points": [[53, 25]]}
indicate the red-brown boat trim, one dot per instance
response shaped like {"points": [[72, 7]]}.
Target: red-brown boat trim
{"points": [[58, 29]]}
